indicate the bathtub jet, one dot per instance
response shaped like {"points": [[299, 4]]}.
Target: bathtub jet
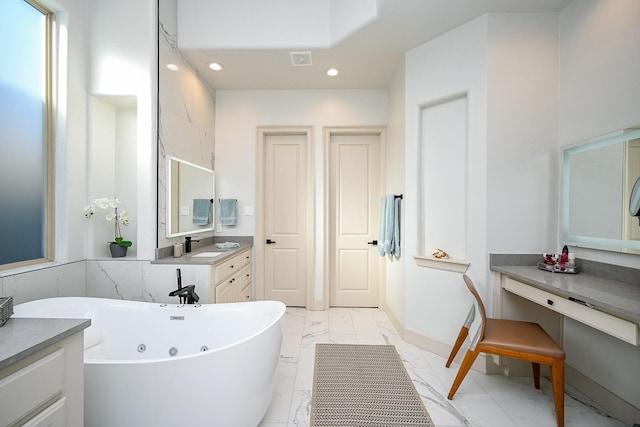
{"points": [[145, 362]]}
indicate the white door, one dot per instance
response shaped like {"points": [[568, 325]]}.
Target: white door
{"points": [[285, 218], [354, 198]]}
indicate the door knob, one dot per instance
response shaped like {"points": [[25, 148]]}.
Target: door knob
{"points": [[373, 242], [270, 242]]}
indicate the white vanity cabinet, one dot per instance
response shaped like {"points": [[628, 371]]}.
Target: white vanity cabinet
{"points": [[46, 387], [245, 275], [232, 279]]}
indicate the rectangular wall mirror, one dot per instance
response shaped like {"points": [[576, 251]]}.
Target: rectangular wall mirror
{"points": [[190, 196], [597, 180]]}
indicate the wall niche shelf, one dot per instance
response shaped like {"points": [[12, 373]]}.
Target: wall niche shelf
{"points": [[447, 264]]}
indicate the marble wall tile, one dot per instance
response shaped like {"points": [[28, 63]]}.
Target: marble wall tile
{"points": [[115, 279], [54, 281]]}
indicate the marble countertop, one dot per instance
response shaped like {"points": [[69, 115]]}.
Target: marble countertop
{"points": [[614, 297], [189, 259], [22, 337]]}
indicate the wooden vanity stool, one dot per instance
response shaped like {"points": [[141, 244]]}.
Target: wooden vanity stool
{"points": [[511, 338]]}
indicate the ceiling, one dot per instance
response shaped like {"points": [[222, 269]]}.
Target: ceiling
{"points": [[366, 59]]}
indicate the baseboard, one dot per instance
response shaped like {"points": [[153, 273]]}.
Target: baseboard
{"points": [[484, 363], [606, 400]]}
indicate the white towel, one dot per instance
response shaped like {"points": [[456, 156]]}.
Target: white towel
{"points": [[389, 234], [396, 227], [228, 211], [227, 245]]}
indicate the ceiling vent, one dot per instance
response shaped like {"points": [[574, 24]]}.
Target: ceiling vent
{"points": [[300, 59]]}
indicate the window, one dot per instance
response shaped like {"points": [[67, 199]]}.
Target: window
{"points": [[25, 134]]}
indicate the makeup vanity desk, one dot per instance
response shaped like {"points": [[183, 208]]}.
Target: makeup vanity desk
{"points": [[611, 306]]}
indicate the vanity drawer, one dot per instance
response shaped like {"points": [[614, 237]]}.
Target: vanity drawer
{"points": [[227, 268], [612, 325], [245, 295], [30, 387], [245, 276], [246, 257], [53, 416]]}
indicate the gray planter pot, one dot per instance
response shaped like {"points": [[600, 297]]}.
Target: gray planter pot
{"points": [[117, 251]]}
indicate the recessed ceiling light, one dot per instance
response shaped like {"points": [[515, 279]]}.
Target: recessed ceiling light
{"points": [[332, 72], [173, 67], [215, 66]]}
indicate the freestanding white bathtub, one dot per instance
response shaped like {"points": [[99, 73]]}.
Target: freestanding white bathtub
{"points": [[149, 364]]}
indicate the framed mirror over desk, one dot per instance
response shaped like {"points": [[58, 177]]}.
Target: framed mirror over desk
{"points": [[598, 195]]}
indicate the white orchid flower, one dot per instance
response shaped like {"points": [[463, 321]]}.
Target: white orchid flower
{"points": [[124, 218], [102, 203], [88, 211]]}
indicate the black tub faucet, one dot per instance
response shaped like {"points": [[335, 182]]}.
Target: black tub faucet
{"points": [[186, 294]]}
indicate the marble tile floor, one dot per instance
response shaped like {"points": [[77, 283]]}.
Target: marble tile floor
{"points": [[481, 401]]}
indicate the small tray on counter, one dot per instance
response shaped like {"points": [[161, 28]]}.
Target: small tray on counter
{"points": [[556, 268]]}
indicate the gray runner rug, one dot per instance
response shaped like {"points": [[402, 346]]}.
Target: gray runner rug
{"points": [[363, 385]]}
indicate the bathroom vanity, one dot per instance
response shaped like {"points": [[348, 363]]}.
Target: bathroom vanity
{"points": [[232, 278], [608, 304], [41, 372], [227, 272], [594, 315]]}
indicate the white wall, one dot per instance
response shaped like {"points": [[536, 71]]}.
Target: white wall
{"points": [[71, 128], [506, 66], [240, 113], [122, 62], [522, 129], [111, 170], [599, 94], [436, 302], [394, 176]]}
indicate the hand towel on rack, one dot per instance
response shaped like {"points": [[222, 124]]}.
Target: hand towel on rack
{"points": [[396, 226], [202, 211], [228, 211], [389, 234]]}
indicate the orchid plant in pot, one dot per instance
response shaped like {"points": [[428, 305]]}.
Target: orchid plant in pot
{"points": [[119, 246]]}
